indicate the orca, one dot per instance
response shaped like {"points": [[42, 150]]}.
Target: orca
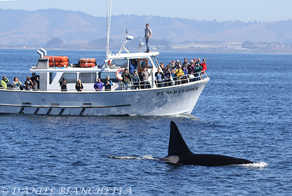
{"points": [[179, 153]]}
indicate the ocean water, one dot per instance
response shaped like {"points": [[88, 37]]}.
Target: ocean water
{"points": [[244, 111]]}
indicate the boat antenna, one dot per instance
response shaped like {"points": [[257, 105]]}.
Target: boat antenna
{"points": [[128, 38], [108, 21]]}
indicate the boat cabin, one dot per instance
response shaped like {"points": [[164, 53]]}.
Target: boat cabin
{"points": [[114, 65]]}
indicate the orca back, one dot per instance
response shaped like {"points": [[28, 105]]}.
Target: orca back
{"points": [[177, 144]]}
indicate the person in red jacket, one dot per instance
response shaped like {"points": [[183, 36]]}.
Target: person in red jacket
{"points": [[204, 66]]}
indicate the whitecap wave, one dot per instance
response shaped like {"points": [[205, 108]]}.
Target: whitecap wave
{"points": [[257, 164], [145, 157]]}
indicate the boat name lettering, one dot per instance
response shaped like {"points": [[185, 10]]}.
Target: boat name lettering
{"points": [[177, 91]]}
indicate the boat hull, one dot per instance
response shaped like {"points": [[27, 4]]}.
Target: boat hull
{"points": [[171, 100]]}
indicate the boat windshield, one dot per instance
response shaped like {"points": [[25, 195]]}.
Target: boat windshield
{"points": [[119, 63], [154, 59]]}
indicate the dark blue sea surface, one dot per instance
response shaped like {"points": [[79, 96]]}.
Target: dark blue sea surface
{"points": [[244, 111]]}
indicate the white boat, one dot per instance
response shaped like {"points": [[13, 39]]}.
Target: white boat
{"points": [[50, 100]]}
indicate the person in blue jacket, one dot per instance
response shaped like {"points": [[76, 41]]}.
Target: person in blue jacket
{"points": [[133, 66]]}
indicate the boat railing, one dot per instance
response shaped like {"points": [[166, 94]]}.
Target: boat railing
{"points": [[172, 81], [164, 83]]}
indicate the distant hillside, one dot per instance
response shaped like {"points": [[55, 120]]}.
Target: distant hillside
{"points": [[37, 28]]}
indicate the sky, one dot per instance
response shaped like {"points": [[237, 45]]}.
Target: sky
{"points": [[220, 10]]}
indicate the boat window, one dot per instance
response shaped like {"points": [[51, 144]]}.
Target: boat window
{"points": [[52, 77], [119, 63], [155, 61], [87, 77], [112, 75], [70, 77]]}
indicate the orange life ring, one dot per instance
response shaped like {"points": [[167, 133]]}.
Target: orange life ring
{"points": [[119, 73]]}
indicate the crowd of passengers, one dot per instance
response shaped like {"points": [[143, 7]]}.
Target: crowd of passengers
{"points": [[173, 74]]}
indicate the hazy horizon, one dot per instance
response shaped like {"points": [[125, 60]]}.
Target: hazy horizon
{"points": [[227, 10]]}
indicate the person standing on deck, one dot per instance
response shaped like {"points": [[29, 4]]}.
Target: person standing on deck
{"points": [[148, 33], [4, 82]]}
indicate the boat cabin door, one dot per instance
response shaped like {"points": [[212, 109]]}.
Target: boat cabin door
{"points": [[142, 63]]}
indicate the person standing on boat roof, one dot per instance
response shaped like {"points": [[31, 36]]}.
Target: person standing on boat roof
{"points": [[126, 79], [98, 85], [4, 82], [108, 84], [148, 33]]}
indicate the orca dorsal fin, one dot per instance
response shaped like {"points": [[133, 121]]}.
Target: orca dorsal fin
{"points": [[177, 144]]}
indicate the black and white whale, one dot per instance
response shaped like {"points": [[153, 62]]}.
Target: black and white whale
{"points": [[179, 153]]}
